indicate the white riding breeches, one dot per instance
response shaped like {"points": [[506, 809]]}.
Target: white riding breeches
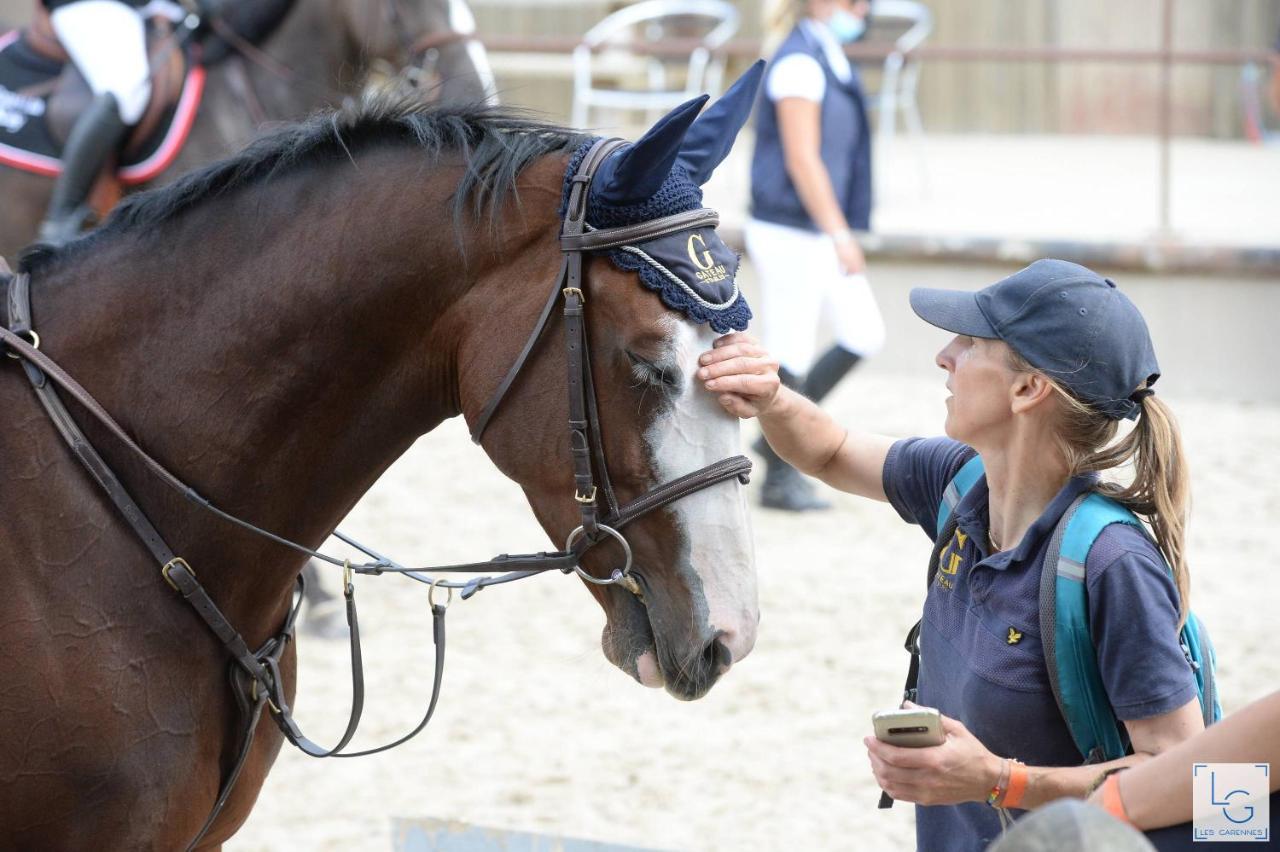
{"points": [[802, 283], [107, 41]]}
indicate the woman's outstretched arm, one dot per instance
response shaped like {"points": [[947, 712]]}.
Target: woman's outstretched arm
{"points": [[744, 378]]}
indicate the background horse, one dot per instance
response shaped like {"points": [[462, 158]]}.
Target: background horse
{"points": [[318, 56], [287, 323]]}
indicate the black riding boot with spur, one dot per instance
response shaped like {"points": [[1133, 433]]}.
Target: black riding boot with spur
{"points": [[93, 139], [785, 487]]}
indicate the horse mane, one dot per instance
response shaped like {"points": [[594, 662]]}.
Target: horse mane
{"points": [[497, 143]]}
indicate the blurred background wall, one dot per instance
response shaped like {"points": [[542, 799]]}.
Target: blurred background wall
{"points": [[1018, 97]]}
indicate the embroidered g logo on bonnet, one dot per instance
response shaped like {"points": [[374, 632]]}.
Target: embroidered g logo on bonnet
{"points": [[661, 174]]}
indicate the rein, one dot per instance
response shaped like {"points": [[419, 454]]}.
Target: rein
{"points": [[256, 681]]}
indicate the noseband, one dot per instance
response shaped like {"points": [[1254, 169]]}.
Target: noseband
{"points": [[256, 681]]}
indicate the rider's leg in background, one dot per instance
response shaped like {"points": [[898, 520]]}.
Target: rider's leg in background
{"points": [[106, 40], [859, 330], [794, 267]]}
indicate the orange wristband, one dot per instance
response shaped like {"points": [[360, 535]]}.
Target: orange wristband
{"points": [[1111, 801], [1017, 785]]}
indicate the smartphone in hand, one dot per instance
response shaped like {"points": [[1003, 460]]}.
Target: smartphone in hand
{"points": [[916, 727]]}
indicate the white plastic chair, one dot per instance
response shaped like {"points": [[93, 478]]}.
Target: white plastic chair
{"points": [[609, 47], [901, 74]]}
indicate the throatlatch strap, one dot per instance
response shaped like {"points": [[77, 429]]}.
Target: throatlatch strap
{"points": [[482, 422]]}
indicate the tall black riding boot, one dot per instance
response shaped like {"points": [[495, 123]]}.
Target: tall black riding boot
{"points": [[93, 138], [785, 487], [827, 372]]}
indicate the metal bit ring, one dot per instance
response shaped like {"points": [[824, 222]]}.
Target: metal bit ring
{"points": [[618, 574]]}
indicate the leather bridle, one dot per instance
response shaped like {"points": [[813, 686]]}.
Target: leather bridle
{"points": [[420, 54], [255, 675], [586, 444]]}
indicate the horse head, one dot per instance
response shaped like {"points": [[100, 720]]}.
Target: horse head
{"points": [[422, 44], [696, 612]]}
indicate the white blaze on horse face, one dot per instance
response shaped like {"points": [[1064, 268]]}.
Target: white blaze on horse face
{"points": [[713, 522], [461, 20]]}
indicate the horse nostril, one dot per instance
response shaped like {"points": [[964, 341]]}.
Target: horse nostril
{"points": [[718, 656]]}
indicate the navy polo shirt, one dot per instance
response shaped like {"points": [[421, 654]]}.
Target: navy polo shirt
{"points": [[981, 657]]}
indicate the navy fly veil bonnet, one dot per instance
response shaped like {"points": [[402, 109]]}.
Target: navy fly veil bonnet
{"points": [[692, 271]]}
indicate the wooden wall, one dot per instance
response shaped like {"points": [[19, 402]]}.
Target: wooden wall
{"points": [[1090, 97], [1021, 97]]}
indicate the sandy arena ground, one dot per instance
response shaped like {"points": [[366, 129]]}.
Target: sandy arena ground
{"points": [[537, 732]]}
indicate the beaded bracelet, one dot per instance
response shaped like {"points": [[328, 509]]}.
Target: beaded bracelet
{"points": [[994, 794], [1012, 785]]}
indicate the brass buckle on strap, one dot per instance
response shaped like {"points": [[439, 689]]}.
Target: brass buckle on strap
{"points": [[585, 499], [34, 341], [253, 696], [177, 560]]}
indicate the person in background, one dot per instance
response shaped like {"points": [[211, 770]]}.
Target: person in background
{"points": [[1275, 75], [107, 42], [106, 39], [810, 192], [1156, 795]]}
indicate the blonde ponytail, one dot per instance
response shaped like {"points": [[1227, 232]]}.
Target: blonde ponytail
{"points": [[779, 18], [1160, 492]]}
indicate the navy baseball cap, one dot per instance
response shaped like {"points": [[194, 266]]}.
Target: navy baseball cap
{"points": [[1066, 321]]}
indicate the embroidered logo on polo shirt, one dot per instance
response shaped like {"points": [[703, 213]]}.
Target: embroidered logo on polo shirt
{"points": [[950, 560], [1014, 637]]}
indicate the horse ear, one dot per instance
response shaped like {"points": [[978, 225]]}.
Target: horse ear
{"points": [[708, 142], [636, 172]]}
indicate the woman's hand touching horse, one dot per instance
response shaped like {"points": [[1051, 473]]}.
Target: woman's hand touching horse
{"points": [[742, 375]]}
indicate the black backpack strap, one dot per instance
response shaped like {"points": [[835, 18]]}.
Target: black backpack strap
{"points": [[912, 643]]}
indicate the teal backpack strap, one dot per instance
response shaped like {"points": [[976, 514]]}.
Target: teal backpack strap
{"points": [[1069, 652], [1198, 649], [969, 473]]}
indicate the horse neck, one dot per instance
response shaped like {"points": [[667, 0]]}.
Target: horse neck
{"points": [[277, 348]]}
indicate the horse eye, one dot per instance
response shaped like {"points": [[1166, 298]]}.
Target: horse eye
{"points": [[648, 374]]}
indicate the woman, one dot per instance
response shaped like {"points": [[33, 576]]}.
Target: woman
{"points": [[106, 39], [810, 187], [1044, 366]]}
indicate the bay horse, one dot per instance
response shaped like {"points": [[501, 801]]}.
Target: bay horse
{"points": [[287, 322], [314, 54]]}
